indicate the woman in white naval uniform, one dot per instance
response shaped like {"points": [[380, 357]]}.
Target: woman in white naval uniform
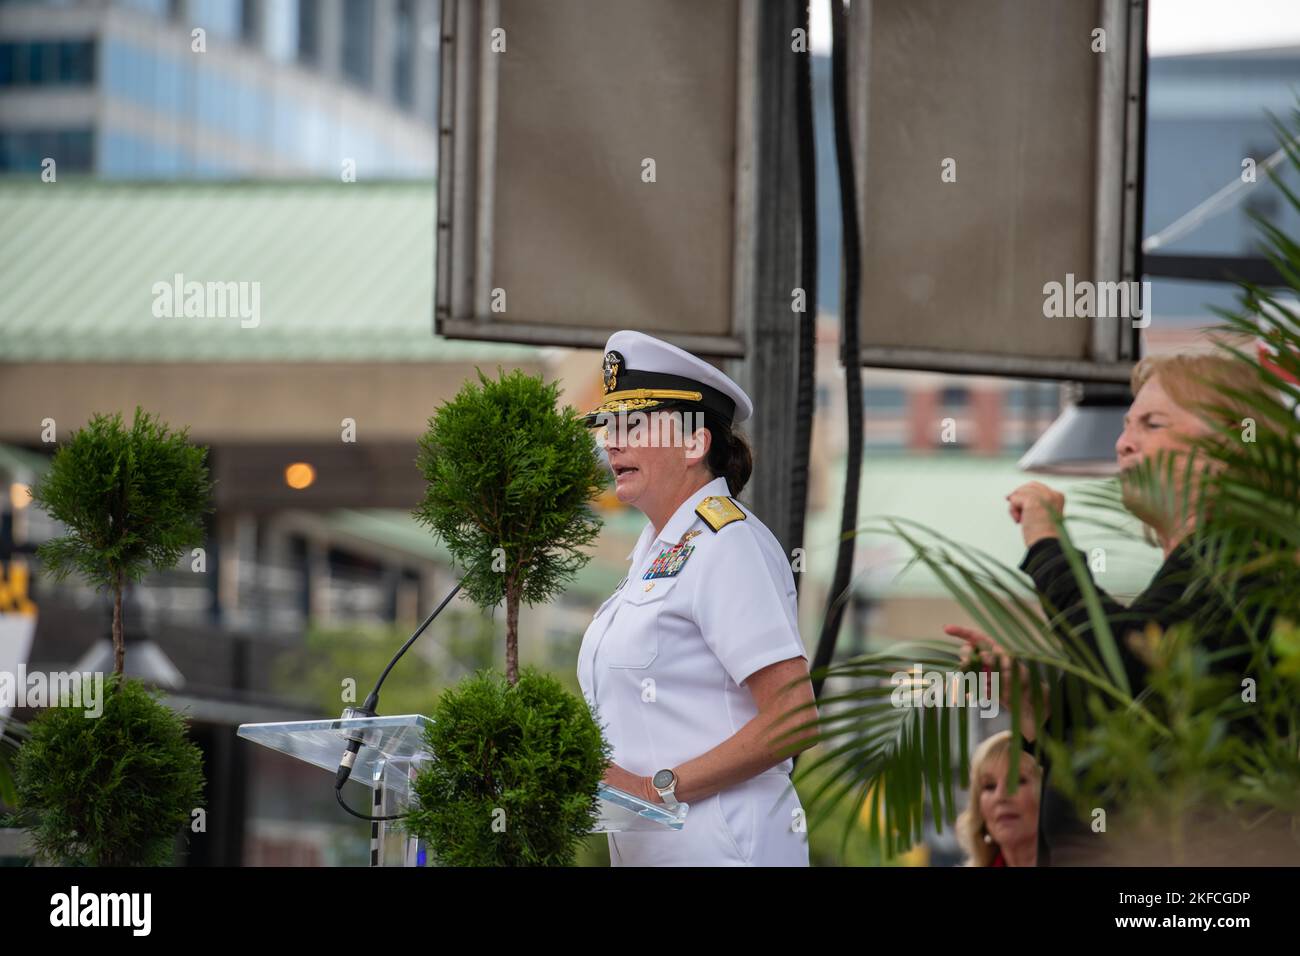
{"points": [[695, 663]]}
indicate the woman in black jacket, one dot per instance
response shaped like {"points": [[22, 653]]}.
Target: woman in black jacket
{"points": [[1171, 393]]}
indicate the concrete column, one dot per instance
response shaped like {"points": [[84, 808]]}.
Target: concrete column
{"points": [[428, 47], [237, 551], [408, 603], [986, 409], [383, 48], [329, 54], [318, 577], [923, 418]]}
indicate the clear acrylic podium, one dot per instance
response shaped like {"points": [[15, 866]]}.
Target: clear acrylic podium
{"points": [[391, 754]]}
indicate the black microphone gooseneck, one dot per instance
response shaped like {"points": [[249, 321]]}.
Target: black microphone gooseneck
{"points": [[370, 709]]}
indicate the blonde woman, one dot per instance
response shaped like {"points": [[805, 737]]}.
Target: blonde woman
{"points": [[1176, 402], [998, 827]]}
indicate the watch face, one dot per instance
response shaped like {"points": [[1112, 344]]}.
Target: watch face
{"points": [[663, 779]]}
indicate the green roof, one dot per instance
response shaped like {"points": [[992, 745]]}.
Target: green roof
{"points": [[963, 497], [344, 272], [19, 463], [389, 527], [399, 530]]}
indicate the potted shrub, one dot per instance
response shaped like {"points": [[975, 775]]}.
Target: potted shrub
{"points": [[514, 773], [113, 790], [116, 787], [516, 760]]}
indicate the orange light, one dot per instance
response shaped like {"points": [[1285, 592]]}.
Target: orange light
{"points": [[299, 475], [20, 496]]}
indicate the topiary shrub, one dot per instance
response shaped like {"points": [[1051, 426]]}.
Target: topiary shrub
{"points": [[130, 499], [511, 480], [514, 773], [112, 790]]}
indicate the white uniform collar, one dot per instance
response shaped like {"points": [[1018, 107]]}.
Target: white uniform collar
{"points": [[683, 517]]}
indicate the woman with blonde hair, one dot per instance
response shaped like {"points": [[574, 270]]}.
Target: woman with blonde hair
{"points": [[998, 827], [1181, 401]]}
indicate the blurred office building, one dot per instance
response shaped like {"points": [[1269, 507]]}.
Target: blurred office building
{"points": [[283, 157], [167, 89]]}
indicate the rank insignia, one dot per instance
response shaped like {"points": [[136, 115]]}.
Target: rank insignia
{"points": [[718, 511], [671, 560]]}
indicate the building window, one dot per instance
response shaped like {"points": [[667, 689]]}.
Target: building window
{"points": [[47, 63], [219, 17], [404, 55], [249, 28], [357, 40], [954, 396], [23, 151], [884, 398], [157, 8], [308, 31]]}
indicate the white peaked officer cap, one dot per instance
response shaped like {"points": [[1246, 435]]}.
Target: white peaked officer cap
{"points": [[642, 373]]}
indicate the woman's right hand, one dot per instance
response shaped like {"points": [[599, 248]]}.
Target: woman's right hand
{"points": [[992, 654], [1032, 506]]}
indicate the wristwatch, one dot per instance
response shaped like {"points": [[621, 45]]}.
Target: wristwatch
{"points": [[665, 781]]}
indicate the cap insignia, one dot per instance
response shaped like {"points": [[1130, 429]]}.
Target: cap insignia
{"points": [[612, 365]]}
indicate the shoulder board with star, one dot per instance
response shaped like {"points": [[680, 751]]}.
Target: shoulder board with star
{"points": [[718, 511]]}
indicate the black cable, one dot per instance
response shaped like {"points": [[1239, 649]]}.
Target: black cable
{"points": [[370, 709], [805, 124], [372, 701], [803, 414], [1140, 187], [363, 816], [850, 355]]}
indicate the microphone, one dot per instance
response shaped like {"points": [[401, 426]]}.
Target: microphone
{"points": [[354, 738], [370, 708]]}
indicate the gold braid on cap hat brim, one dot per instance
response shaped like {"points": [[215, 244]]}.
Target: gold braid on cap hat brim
{"points": [[631, 399]]}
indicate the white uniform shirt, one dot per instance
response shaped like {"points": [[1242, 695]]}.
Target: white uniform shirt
{"points": [[662, 664]]}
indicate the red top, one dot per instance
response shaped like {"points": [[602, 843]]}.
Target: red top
{"points": [[998, 861]]}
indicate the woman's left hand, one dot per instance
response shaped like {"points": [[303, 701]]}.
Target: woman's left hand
{"points": [[628, 782]]}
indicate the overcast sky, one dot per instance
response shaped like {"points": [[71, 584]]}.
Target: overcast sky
{"points": [[1180, 26], [1199, 26]]}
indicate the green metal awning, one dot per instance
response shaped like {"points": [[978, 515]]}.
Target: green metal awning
{"points": [[963, 497], [343, 272], [20, 464], [392, 528], [389, 528]]}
